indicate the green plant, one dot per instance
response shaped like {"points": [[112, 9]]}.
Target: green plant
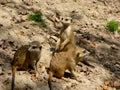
{"points": [[112, 26], [37, 17]]}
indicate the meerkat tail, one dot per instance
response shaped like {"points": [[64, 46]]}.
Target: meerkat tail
{"points": [[13, 78], [50, 79]]}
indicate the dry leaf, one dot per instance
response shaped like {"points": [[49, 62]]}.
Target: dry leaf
{"points": [[93, 44], [107, 82], [104, 87], [22, 33], [48, 36], [114, 47], [33, 77], [115, 84]]}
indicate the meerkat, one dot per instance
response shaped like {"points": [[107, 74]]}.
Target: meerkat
{"points": [[60, 62], [26, 56], [66, 41], [82, 53]]}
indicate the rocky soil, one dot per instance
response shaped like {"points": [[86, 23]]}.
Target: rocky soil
{"points": [[89, 20]]}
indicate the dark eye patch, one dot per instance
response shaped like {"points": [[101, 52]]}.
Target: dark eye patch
{"points": [[34, 47], [66, 19], [61, 18], [40, 47], [84, 51]]}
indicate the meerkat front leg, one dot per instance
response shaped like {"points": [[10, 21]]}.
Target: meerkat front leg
{"points": [[67, 37], [64, 44], [58, 45]]}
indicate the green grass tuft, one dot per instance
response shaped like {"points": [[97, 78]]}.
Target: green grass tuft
{"points": [[37, 17], [112, 26]]}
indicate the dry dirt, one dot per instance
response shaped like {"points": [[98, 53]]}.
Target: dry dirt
{"points": [[89, 20]]}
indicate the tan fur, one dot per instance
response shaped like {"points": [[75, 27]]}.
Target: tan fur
{"points": [[82, 53], [25, 56], [66, 41], [60, 62]]}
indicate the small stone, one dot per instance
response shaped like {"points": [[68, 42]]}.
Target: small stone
{"points": [[114, 47], [42, 69], [1, 72]]}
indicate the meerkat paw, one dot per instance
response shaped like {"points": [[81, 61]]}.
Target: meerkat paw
{"points": [[65, 79], [33, 77]]}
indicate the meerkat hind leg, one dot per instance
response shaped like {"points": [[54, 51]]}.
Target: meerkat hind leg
{"points": [[74, 75], [65, 79], [58, 45]]}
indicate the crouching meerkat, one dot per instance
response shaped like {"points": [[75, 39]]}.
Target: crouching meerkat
{"points": [[26, 56], [60, 62]]}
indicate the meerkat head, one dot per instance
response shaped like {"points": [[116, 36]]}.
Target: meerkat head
{"points": [[34, 45], [65, 20], [80, 54]]}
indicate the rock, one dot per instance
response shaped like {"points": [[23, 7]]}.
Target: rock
{"points": [[42, 69], [1, 72]]}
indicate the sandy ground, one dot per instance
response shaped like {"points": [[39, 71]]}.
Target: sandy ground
{"points": [[89, 20]]}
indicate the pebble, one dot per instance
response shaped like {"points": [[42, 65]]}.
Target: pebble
{"points": [[1, 70]]}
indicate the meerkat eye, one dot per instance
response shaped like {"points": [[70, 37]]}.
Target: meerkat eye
{"points": [[66, 19], [61, 18]]}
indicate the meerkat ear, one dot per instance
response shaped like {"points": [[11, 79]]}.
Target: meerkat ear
{"points": [[29, 43], [78, 54], [71, 19]]}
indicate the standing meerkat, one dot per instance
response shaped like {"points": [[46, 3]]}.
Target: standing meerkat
{"points": [[60, 62], [66, 41], [26, 56]]}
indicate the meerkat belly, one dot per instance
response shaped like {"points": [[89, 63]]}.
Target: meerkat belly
{"points": [[68, 29], [63, 37], [35, 55]]}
